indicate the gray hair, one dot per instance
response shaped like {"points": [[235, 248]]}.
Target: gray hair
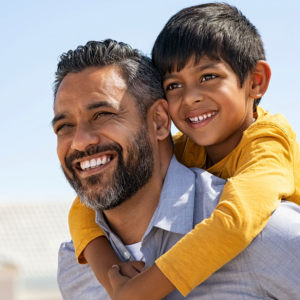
{"points": [[141, 77]]}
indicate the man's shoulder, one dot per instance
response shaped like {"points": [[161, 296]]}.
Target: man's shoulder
{"points": [[177, 169], [275, 252], [282, 231]]}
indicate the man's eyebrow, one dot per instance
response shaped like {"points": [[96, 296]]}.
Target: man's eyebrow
{"points": [[57, 118], [99, 104], [88, 107]]}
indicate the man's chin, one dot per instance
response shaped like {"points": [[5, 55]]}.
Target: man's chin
{"points": [[100, 200]]}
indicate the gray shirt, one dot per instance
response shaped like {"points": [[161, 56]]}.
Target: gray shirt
{"points": [[269, 268]]}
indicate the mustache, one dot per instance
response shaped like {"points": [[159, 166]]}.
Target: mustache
{"points": [[91, 151]]}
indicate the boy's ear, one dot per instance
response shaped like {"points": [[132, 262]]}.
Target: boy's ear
{"points": [[160, 118], [260, 79]]}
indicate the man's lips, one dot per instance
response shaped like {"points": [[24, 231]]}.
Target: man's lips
{"points": [[94, 162]]}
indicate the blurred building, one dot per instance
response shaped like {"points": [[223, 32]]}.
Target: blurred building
{"points": [[30, 236], [8, 276]]}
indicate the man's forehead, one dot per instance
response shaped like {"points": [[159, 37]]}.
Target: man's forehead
{"points": [[92, 78], [90, 85]]}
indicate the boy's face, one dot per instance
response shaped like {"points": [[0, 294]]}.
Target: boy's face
{"points": [[207, 103]]}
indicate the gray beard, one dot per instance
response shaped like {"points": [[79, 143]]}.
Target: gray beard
{"points": [[128, 178]]}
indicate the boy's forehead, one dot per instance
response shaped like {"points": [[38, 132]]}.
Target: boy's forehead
{"points": [[199, 64]]}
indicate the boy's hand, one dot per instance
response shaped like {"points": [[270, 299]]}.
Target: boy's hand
{"points": [[118, 283], [120, 275], [132, 268], [148, 285]]}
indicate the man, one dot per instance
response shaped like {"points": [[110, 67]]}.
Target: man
{"points": [[108, 103]]}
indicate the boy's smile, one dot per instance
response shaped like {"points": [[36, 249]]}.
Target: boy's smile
{"points": [[207, 103]]}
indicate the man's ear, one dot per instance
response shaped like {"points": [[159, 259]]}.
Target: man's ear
{"points": [[260, 79], [160, 118]]}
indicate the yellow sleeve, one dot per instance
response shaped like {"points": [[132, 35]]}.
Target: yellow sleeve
{"points": [[179, 140], [83, 228], [263, 175]]}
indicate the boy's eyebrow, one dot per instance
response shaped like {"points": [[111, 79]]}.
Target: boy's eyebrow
{"points": [[208, 66], [197, 69]]}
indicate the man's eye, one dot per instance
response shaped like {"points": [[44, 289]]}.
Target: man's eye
{"points": [[208, 77], [173, 86], [62, 127], [103, 114]]}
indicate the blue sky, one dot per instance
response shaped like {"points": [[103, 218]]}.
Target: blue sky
{"points": [[35, 33]]}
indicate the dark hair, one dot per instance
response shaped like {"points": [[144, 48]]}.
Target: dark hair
{"points": [[142, 78], [216, 30]]}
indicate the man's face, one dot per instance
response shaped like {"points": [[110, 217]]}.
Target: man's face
{"points": [[102, 144]]}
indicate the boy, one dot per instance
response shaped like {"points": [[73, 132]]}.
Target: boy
{"points": [[214, 73]]}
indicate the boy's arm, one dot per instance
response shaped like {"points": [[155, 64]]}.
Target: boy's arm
{"points": [[264, 176], [101, 257], [151, 284], [83, 228], [92, 246]]}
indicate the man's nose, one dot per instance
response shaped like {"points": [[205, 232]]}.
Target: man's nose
{"points": [[192, 96], [84, 138]]}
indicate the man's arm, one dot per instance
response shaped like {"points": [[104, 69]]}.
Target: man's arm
{"points": [[75, 281]]}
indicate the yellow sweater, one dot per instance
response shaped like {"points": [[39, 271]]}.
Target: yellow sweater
{"points": [[261, 170]]}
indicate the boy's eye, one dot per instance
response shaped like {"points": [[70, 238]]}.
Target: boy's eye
{"points": [[173, 86], [208, 77]]}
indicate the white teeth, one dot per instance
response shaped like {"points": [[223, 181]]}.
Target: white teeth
{"points": [[93, 163], [87, 164], [98, 161], [203, 117], [104, 158]]}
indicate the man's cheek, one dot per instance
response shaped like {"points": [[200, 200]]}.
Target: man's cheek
{"points": [[61, 154]]}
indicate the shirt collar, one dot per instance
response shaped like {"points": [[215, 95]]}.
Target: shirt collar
{"points": [[175, 209]]}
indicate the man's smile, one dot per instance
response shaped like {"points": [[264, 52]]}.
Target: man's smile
{"points": [[95, 162]]}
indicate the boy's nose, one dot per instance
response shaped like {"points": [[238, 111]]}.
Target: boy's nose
{"points": [[85, 138], [191, 97]]}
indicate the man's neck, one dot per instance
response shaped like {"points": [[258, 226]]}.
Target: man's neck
{"points": [[130, 220]]}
